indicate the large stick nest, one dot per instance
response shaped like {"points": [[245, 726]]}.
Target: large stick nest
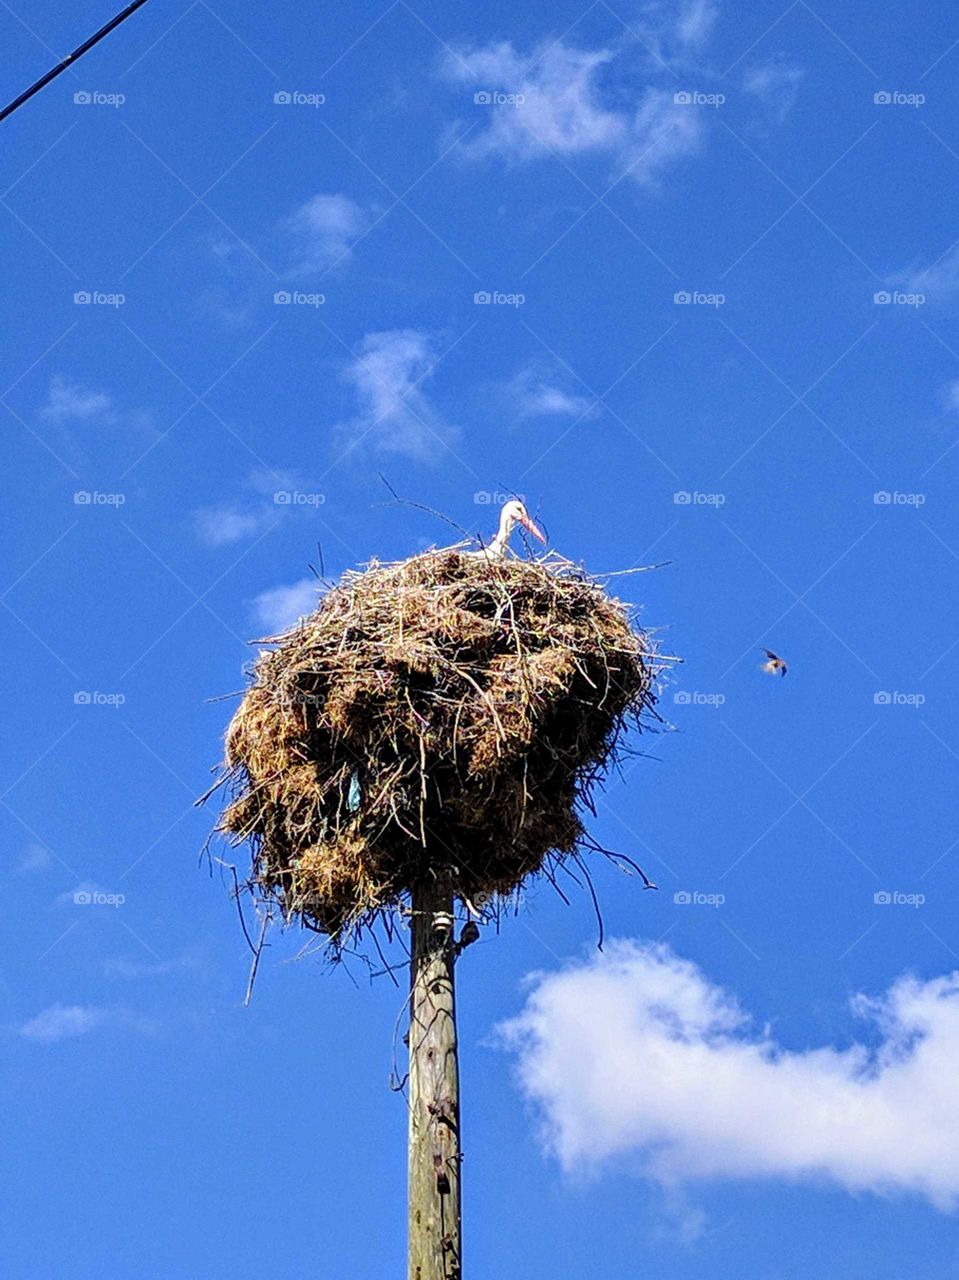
{"points": [[449, 712]]}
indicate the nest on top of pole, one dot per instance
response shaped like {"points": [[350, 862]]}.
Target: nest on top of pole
{"points": [[447, 713]]}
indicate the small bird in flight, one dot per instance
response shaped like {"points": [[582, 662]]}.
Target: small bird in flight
{"points": [[775, 665]]}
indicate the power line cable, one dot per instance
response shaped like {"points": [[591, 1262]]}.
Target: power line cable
{"points": [[71, 58]]}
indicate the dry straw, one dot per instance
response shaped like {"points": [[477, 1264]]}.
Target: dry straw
{"points": [[448, 713]]}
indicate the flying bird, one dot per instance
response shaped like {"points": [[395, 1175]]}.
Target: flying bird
{"points": [[774, 666], [513, 513]]}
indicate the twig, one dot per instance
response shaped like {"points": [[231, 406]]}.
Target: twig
{"points": [[236, 895], [430, 511], [256, 962], [592, 892], [643, 568], [615, 856]]}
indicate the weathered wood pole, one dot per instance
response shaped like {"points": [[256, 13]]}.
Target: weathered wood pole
{"points": [[434, 1156]]}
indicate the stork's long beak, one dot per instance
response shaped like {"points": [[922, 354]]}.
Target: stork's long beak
{"points": [[533, 529]]}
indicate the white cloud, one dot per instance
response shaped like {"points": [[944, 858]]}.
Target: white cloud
{"points": [[62, 1022], [396, 415], [239, 284], [694, 22], [222, 526], [122, 967], [564, 108], [776, 84], [546, 401], [85, 889], [951, 394], [280, 608], [35, 858], [661, 132], [73, 402], [676, 31], [227, 523], [939, 281], [536, 392], [637, 1054], [69, 404], [316, 237], [321, 231]]}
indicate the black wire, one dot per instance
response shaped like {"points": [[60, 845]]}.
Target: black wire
{"points": [[70, 59]]}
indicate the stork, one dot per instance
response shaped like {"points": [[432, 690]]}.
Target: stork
{"points": [[513, 513]]}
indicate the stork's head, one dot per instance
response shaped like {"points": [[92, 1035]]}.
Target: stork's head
{"points": [[515, 513]]}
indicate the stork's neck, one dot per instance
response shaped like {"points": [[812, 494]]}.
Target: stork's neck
{"points": [[507, 523]]}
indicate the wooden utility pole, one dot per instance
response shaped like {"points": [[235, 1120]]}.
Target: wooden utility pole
{"points": [[434, 1157]]}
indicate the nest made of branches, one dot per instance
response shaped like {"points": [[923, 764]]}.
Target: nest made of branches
{"points": [[450, 712]]}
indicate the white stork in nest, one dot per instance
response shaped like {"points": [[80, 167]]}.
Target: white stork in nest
{"points": [[513, 514]]}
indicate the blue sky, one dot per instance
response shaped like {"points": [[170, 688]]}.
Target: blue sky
{"points": [[719, 250]]}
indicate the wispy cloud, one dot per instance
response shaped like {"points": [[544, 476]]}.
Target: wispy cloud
{"points": [[396, 416], [950, 394], [559, 104], [131, 970], [240, 285], [540, 392], [265, 500], [222, 526], [69, 401], [563, 100], [675, 31], [80, 893], [637, 1054], [279, 608], [63, 1022], [661, 132], [305, 244], [320, 233], [692, 22], [939, 280], [70, 405], [34, 858], [776, 85]]}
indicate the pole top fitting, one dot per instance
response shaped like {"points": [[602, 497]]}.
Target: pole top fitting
{"points": [[442, 926]]}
